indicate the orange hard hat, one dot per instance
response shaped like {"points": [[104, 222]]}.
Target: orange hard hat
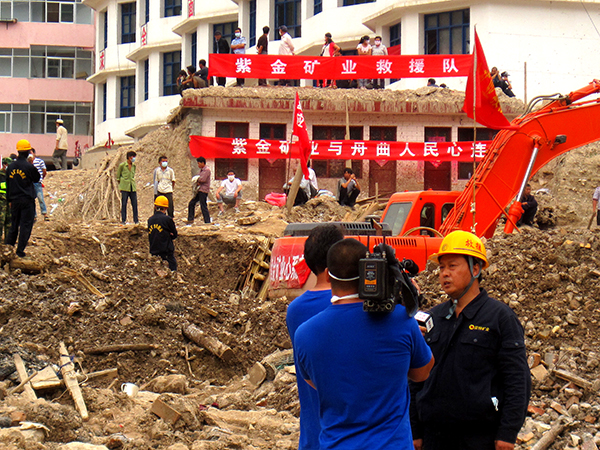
{"points": [[23, 145], [461, 243], [162, 201]]}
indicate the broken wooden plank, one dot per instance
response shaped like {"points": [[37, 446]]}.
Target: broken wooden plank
{"points": [[27, 265], [165, 412], [581, 382], [22, 372], [48, 382], [210, 343], [22, 384], [68, 372], [549, 437], [119, 348]]}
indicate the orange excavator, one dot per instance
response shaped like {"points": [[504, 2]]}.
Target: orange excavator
{"points": [[514, 156]]}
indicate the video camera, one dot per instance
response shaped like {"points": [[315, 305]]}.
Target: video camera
{"points": [[384, 281]]}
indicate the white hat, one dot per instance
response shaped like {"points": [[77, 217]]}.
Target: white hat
{"points": [[59, 121]]}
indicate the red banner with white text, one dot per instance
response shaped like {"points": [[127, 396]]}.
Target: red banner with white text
{"points": [[211, 147], [338, 68]]}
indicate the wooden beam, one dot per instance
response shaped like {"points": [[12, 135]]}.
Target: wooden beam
{"points": [[119, 348], [68, 372], [210, 343], [22, 372]]}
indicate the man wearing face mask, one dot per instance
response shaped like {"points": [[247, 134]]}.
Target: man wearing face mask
{"points": [[126, 179], [164, 182], [238, 47], [232, 194], [378, 49]]}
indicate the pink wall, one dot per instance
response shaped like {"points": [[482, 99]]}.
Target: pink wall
{"points": [[21, 90], [43, 143], [24, 34]]}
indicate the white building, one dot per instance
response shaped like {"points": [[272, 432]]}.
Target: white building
{"points": [[546, 46]]}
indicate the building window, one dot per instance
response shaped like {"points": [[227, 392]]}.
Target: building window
{"points": [[287, 12], [41, 61], [252, 33], [39, 117], [317, 7], [127, 23], [147, 11], [273, 131], [383, 133], [105, 17], [128, 96], [238, 165], [356, 2], [334, 168], [146, 78], [226, 29], [46, 11], [194, 49], [172, 8], [395, 35], [447, 33], [104, 96], [171, 68]]}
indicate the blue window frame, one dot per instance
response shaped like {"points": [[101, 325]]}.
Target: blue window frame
{"points": [[252, 33], [127, 23], [356, 2], [227, 30], [287, 12], [317, 7], [447, 33], [171, 68], [146, 78], [128, 96], [172, 8], [395, 35], [104, 102], [105, 15], [147, 11], [195, 49]]}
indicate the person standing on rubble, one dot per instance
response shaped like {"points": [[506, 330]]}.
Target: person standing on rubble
{"points": [[360, 362], [4, 207], [164, 183], [161, 232], [477, 394], [126, 179], [40, 165], [201, 183], [309, 304], [21, 195], [60, 149]]}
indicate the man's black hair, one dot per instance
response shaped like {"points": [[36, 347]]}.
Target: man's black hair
{"points": [[266, 30], [238, 29], [342, 262], [348, 170], [218, 33], [431, 80], [202, 62], [13, 156], [191, 69], [160, 158], [328, 35], [231, 171], [201, 159], [317, 245], [130, 154]]}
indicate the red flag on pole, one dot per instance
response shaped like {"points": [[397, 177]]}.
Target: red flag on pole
{"points": [[302, 134], [481, 101]]}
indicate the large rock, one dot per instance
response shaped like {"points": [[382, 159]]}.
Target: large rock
{"points": [[169, 383], [82, 446]]}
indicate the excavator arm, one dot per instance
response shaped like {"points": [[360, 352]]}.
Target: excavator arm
{"points": [[514, 156]]}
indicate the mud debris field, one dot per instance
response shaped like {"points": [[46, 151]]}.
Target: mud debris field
{"points": [[99, 287]]}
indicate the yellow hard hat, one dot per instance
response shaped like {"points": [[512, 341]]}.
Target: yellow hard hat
{"points": [[162, 201], [461, 243], [23, 145]]}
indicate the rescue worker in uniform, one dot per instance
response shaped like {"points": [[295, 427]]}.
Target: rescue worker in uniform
{"points": [[4, 209], [477, 394], [161, 232], [21, 195]]}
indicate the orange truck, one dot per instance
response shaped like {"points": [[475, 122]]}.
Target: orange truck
{"points": [[414, 223]]}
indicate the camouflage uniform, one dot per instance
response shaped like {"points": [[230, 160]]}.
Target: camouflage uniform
{"points": [[4, 209]]}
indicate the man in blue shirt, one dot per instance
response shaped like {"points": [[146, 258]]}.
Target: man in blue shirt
{"points": [[303, 308], [360, 362], [238, 47]]}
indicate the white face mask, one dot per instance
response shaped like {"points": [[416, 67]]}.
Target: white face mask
{"points": [[164, 163], [238, 34], [377, 43], [231, 177], [133, 159]]}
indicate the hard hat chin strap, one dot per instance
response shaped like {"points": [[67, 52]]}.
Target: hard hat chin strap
{"points": [[455, 301]]}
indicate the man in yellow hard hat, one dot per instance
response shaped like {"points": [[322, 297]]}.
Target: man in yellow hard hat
{"points": [[477, 394], [21, 176], [161, 232]]}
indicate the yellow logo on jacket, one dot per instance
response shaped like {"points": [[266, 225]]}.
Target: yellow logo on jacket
{"points": [[478, 328], [18, 172], [156, 227]]}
